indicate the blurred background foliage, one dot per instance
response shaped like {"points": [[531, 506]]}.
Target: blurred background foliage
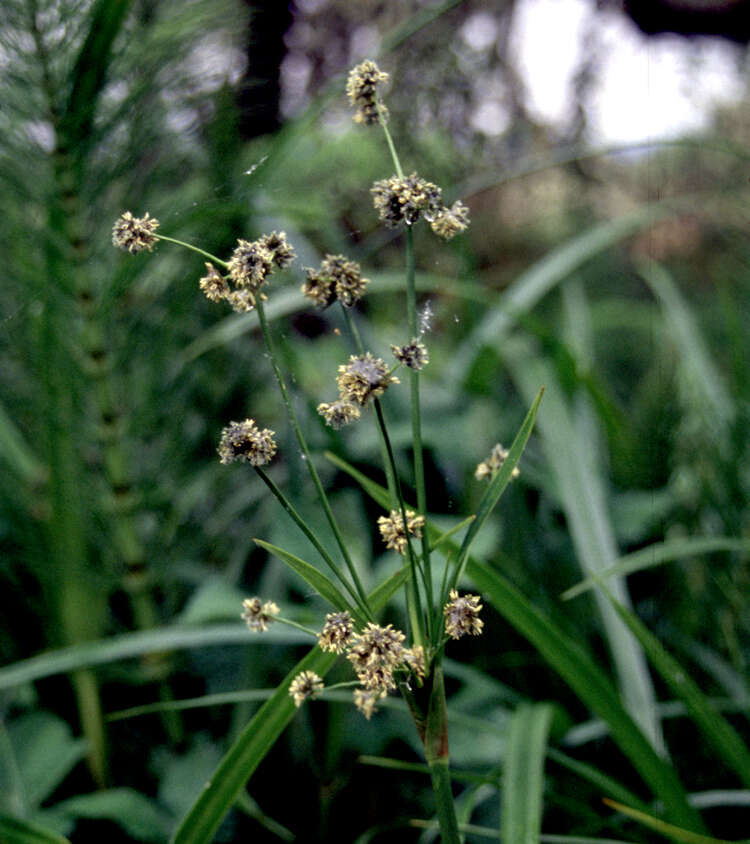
{"points": [[619, 281]]}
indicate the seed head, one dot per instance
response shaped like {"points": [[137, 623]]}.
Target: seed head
{"points": [[403, 200], [377, 647], [258, 615], [339, 413], [414, 661], [246, 443], [489, 468], [134, 233], [413, 354], [364, 377], [366, 701], [392, 529], [462, 615], [337, 632], [213, 284], [336, 278], [282, 252], [307, 684], [361, 88], [451, 221], [250, 264]]}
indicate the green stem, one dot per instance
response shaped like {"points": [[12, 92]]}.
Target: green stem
{"points": [[308, 457], [302, 525], [193, 248], [391, 147], [297, 625]]}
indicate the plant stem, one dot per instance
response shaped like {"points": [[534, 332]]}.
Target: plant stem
{"points": [[308, 457], [193, 248]]}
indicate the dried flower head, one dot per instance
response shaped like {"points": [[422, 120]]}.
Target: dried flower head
{"points": [[245, 442], [462, 615], [134, 233], [307, 684], [213, 284], [337, 632], [336, 278], [489, 468], [258, 614], [392, 529], [451, 221], [282, 252], [361, 88], [243, 301], [376, 647], [414, 661], [318, 287], [413, 354], [364, 377], [404, 200], [339, 413], [366, 701], [250, 264]]}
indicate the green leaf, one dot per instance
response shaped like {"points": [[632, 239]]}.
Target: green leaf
{"points": [[247, 752], [669, 830], [381, 594], [497, 487], [655, 555], [715, 729], [18, 831], [378, 493], [593, 688], [130, 809], [312, 576], [523, 774]]}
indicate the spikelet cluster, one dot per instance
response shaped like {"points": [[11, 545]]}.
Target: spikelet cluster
{"points": [[258, 614], [245, 442], [365, 377], [462, 615], [412, 354], [404, 200], [307, 684], [491, 466], [134, 234], [392, 530], [337, 633], [361, 88], [336, 278]]}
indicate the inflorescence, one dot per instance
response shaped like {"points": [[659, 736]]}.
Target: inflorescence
{"points": [[392, 529], [412, 354], [246, 443], [134, 234], [336, 278], [361, 88], [258, 614], [491, 466]]}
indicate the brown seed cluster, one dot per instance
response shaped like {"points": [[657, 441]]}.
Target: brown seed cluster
{"points": [[339, 413], [246, 443], [336, 278], [307, 684], [361, 88], [337, 633], [134, 234], [491, 466], [404, 200], [258, 614], [412, 354], [365, 377], [377, 651], [462, 615], [392, 529], [451, 221]]}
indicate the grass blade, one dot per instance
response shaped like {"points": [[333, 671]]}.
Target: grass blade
{"points": [[523, 774], [655, 555], [19, 831]]}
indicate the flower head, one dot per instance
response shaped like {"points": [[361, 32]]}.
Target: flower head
{"points": [[282, 252], [337, 632], [451, 221], [213, 284], [307, 684], [414, 660], [376, 652], [339, 413], [258, 614], [245, 442], [412, 354], [489, 468], [392, 529], [336, 278], [366, 701], [363, 378], [134, 233], [462, 615], [404, 200], [250, 264], [361, 88]]}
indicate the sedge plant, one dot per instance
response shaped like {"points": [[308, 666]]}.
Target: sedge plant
{"points": [[384, 660]]}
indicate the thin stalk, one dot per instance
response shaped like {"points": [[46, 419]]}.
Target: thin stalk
{"points": [[391, 147], [297, 625], [302, 525], [308, 457], [193, 248]]}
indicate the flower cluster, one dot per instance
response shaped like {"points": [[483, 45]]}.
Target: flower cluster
{"points": [[307, 684], [245, 442], [134, 233], [489, 468], [392, 529], [337, 632], [361, 88], [403, 200], [412, 354], [462, 615], [336, 278], [365, 377], [258, 614]]}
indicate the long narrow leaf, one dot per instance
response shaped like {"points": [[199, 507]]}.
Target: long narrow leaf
{"points": [[714, 728], [19, 831], [523, 774], [655, 555]]}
